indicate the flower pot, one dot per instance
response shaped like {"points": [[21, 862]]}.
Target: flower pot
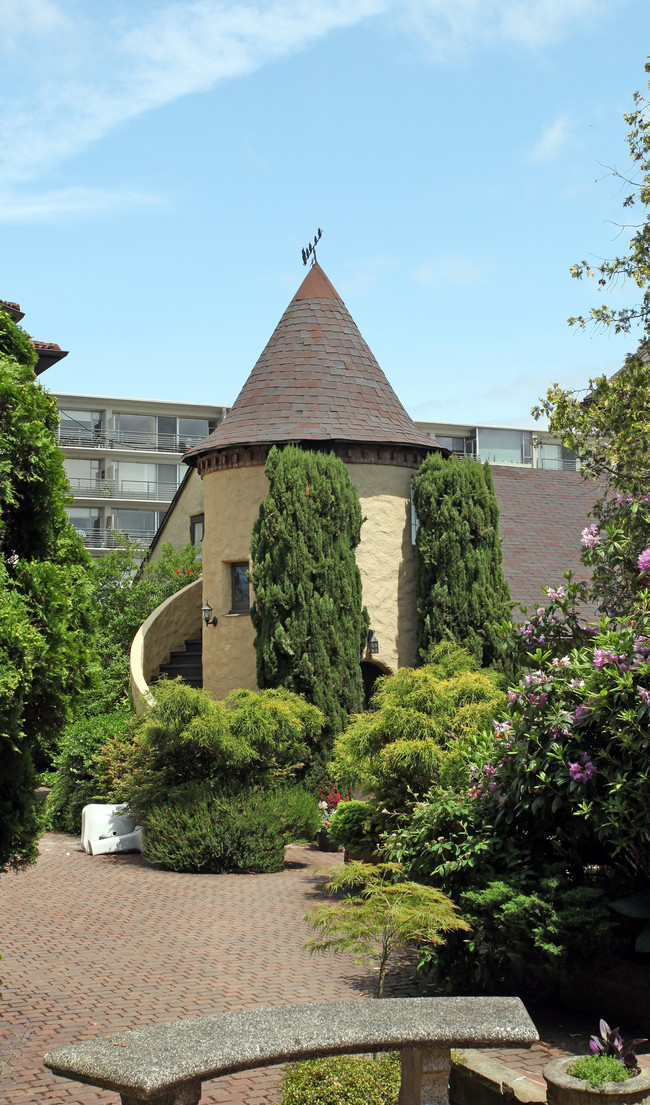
{"points": [[324, 843], [563, 1089]]}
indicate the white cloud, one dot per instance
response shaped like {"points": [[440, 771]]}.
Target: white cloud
{"points": [[71, 72], [117, 71], [553, 138], [67, 201], [448, 270], [447, 27]]}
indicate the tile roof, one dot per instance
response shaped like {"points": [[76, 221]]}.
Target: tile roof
{"points": [[542, 515], [316, 381]]}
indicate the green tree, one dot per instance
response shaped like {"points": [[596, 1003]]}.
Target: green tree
{"points": [[46, 607], [425, 725], [461, 590], [311, 627], [386, 915]]}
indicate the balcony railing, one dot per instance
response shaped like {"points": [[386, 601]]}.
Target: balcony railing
{"points": [[108, 538], [81, 437], [123, 489], [558, 464]]}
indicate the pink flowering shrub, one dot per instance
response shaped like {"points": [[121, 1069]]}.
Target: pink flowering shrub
{"points": [[570, 771], [615, 548]]}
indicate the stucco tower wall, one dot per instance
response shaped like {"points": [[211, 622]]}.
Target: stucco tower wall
{"points": [[232, 502], [386, 559]]}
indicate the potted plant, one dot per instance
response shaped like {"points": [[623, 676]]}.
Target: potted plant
{"points": [[355, 827], [327, 807], [612, 1070]]}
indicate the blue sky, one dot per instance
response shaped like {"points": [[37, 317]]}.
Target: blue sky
{"points": [[162, 164]]}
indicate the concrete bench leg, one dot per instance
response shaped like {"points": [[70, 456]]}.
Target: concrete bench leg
{"points": [[425, 1076], [183, 1095]]}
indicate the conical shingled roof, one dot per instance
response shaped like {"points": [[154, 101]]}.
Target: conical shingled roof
{"points": [[316, 381]]}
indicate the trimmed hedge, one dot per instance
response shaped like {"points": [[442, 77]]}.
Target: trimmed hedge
{"points": [[198, 831], [342, 1080]]}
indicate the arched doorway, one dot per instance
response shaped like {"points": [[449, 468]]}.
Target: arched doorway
{"points": [[370, 672]]}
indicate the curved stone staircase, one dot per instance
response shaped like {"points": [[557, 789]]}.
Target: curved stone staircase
{"points": [[186, 663]]}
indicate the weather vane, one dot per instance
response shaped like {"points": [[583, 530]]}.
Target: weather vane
{"points": [[311, 248]]}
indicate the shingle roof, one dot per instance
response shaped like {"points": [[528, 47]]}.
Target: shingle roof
{"points": [[316, 381], [542, 515]]}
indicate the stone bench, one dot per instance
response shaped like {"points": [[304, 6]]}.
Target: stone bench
{"points": [[165, 1064]]}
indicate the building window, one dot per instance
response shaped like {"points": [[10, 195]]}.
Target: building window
{"points": [[197, 527], [240, 597], [80, 428]]}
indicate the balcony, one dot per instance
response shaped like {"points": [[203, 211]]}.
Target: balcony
{"points": [[107, 539], [558, 464], [123, 489], [81, 437]]}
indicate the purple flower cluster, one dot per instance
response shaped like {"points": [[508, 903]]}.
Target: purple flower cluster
{"points": [[604, 656], [644, 560], [590, 536], [644, 695], [584, 771]]}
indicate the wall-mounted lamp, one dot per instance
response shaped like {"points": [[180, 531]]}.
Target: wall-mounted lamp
{"points": [[207, 615], [373, 643]]}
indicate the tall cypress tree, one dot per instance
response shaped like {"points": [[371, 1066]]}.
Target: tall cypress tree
{"points": [[461, 590], [308, 613]]}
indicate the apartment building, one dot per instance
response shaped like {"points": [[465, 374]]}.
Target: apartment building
{"points": [[503, 445], [123, 461]]}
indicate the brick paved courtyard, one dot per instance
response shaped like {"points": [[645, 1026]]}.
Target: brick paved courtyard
{"points": [[93, 945]]}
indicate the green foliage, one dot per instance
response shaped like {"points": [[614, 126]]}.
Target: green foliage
{"points": [[47, 619], [570, 773], [384, 916], [422, 727], [15, 343], [461, 590], [213, 834], [33, 484], [528, 937], [203, 831], [355, 825], [596, 1070], [79, 777], [310, 626], [126, 594], [342, 1080], [187, 737], [450, 840]]}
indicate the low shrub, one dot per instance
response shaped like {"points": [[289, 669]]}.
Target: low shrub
{"points": [[79, 777], [199, 830], [295, 813], [356, 826], [187, 737], [425, 725], [342, 1080], [450, 840], [529, 937]]}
